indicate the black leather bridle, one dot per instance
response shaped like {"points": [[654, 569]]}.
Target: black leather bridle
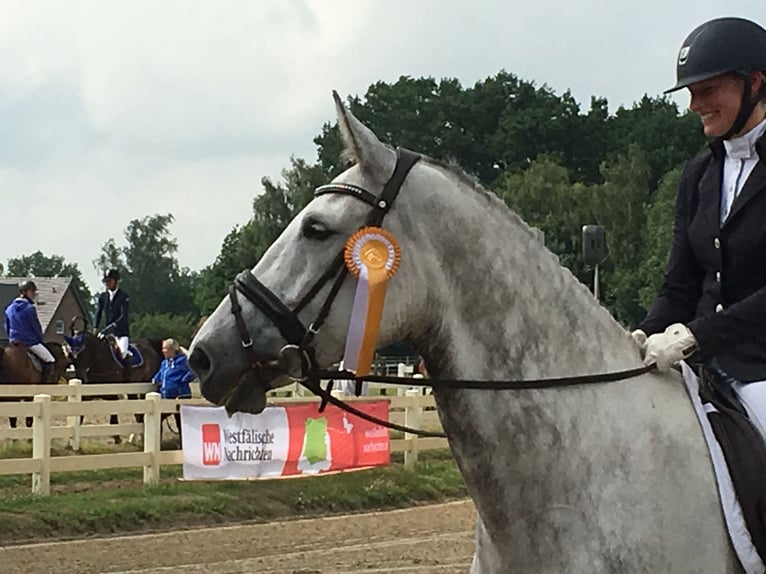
{"points": [[297, 356]]}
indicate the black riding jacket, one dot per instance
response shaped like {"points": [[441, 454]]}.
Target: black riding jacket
{"points": [[115, 312], [715, 280]]}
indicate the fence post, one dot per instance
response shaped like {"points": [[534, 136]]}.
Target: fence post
{"points": [[41, 446], [413, 417], [73, 421], [152, 422]]}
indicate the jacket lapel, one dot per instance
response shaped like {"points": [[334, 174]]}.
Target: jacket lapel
{"points": [[709, 207], [754, 184]]}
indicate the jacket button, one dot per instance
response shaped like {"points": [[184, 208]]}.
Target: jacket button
{"points": [[718, 308], [717, 243], [718, 276]]}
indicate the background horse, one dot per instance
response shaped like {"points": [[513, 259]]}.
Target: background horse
{"points": [[612, 477], [18, 368], [96, 361]]}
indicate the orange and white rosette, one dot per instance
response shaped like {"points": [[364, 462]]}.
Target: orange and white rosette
{"points": [[372, 255]]}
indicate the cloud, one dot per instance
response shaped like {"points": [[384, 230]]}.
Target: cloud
{"points": [[112, 111]]}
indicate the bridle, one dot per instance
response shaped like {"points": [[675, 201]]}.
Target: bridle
{"points": [[297, 357]]}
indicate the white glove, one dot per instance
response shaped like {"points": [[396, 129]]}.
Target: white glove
{"points": [[670, 348], [100, 335], [639, 337]]}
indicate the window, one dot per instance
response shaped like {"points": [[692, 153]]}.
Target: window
{"points": [[59, 327]]}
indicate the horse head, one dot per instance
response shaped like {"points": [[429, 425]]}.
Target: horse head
{"points": [[297, 277]]}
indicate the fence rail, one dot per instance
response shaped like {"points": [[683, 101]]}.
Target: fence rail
{"points": [[414, 409]]}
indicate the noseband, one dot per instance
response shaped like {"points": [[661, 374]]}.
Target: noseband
{"points": [[298, 354]]}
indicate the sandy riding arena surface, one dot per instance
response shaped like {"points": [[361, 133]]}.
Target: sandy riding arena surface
{"points": [[423, 540]]}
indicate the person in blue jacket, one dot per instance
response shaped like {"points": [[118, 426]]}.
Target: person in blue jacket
{"points": [[23, 326], [174, 375]]}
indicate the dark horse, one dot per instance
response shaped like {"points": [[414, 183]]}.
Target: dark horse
{"points": [[95, 361], [18, 368]]}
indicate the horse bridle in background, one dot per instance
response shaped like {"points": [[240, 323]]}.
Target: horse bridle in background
{"points": [[297, 357]]}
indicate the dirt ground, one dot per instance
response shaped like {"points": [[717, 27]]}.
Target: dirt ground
{"points": [[422, 540]]}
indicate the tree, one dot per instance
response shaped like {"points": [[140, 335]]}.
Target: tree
{"points": [[163, 326], [149, 268], [658, 236], [544, 197], [654, 125], [244, 246], [39, 265], [619, 206]]}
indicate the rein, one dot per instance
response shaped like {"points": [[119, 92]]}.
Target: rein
{"points": [[297, 356]]}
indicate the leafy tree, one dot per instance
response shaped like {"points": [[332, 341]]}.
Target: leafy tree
{"points": [[163, 326], [39, 265], [654, 125], [560, 167], [244, 246], [618, 205], [149, 268], [658, 236], [545, 197]]}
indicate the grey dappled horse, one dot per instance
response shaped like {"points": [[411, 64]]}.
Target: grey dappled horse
{"points": [[601, 478]]}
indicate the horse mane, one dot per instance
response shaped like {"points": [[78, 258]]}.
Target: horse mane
{"points": [[454, 170]]}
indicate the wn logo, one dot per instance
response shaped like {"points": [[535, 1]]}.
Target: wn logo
{"points": [[211, 445]]}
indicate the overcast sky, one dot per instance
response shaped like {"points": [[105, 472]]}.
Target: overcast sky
{"points": [[111, 111]]}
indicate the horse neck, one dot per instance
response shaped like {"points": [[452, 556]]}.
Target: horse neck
{"points": [[502, 306]]}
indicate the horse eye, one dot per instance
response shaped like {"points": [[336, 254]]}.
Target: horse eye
{"points": [[313, 229]]}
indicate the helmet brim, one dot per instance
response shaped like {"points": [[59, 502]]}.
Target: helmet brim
{"points": [[686, 82]]}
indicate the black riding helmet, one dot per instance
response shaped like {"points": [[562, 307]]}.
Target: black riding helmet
{"points": [[111, 274], [724, 46], [27, 285]]}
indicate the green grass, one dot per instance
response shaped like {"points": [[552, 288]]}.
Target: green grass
{"points": [[109, 501]]}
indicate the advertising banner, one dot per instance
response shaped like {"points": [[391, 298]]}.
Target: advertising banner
{"points": [[281, 441]]}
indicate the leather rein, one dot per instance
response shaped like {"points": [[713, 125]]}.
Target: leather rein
{"points": [[297, 357]]}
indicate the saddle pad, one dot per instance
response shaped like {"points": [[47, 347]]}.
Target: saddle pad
{"points": [[35, 361], [740, 536], [136, 358]]}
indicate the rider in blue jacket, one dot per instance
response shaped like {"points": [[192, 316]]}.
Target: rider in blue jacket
{"points": [[23, 326], [174, 375]]}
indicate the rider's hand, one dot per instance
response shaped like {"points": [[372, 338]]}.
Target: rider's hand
{"points": [[639, 337], [101, 335], [671, 347]]}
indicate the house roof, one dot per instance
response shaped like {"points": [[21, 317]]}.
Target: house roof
{"points": [[50, 292]]}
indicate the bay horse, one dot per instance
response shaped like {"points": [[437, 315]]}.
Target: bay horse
{"points": [[606, 478], [96, 361], [18, 368]]}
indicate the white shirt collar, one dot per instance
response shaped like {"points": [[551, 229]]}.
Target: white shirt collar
{"points": [[743, 147]]}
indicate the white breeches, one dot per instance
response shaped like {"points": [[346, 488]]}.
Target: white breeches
{"points": [[753, 396], [123, 344], [42, 353]]}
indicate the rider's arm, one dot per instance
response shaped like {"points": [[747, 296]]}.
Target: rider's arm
{"points": [[33, 323], [99, 310], [123, 311]]}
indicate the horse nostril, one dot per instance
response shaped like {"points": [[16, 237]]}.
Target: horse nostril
{"points": [[199, 362]]}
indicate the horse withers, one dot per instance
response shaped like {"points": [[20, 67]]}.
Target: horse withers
{"points": [[19, 367]]}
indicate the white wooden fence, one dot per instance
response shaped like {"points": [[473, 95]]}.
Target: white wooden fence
{"points": [[414, 409]]}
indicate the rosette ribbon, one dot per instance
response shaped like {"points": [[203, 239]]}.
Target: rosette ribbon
{"points": [[372, 255]]}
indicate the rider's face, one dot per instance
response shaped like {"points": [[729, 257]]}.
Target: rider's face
{"points": [[111, 284], [30, 294], [717, 101]]}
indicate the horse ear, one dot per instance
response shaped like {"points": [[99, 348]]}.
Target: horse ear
{"points": [[375, 158]]}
